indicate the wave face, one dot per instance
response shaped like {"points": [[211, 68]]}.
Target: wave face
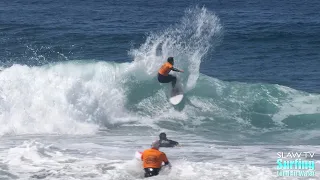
{"points": [[79, 97]]}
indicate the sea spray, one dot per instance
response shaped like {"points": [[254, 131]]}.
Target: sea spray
{"points": [[187, 41]]}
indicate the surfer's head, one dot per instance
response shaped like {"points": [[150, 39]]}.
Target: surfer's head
{"points": [[170, 60], [155, 144], [162, 136]]}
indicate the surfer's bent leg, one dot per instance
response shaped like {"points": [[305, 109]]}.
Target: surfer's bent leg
{"points": [[173, 80], [167, 79], [164, 79]]}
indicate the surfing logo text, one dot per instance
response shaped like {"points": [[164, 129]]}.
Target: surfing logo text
{"points": [[292, 164]]}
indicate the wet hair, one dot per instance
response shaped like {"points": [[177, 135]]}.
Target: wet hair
{"points": [[170, 60], [163, 135]]}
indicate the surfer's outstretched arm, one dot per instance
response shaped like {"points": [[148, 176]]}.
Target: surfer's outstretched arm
{"points": [[173, 143], [175, 69]]}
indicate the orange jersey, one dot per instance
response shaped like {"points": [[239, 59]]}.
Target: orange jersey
{"points": [[165, 69], [153, 158]]}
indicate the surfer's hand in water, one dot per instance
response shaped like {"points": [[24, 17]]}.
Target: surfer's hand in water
{"points": [[167, 166], [181, 71]]}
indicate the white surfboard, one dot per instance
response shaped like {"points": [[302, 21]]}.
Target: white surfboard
{"points": [[176, 95], [176, 99], [138, 155]]}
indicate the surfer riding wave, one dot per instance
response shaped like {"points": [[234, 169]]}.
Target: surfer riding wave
{"points": [[163, 73]]}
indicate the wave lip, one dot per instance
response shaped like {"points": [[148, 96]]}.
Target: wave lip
{"points": [[67, 98]]}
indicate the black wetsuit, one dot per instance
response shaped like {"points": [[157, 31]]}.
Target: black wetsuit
{"points": [[168, 143], [151, 172], [148, 172]]}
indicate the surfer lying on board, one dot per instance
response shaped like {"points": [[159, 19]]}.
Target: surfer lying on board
{"points": [[163, 73], [152, 160], [164, 142]]}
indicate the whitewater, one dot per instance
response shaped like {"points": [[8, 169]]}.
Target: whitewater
{"points": [[85, 119]]}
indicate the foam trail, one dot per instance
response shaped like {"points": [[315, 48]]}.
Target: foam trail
{"points": [[78, 98], [63, 98]]}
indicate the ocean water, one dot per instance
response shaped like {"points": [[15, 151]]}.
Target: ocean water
{"points": [[79, 94]]}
